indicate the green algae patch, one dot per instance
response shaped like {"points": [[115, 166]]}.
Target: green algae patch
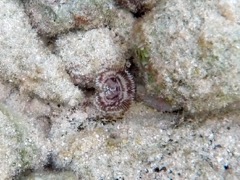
{"points": [[150, 73]]}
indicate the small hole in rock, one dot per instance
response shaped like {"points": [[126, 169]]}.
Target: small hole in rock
{"points": [[49, 165], [80, 127], [156, 169], [49, 42], [89, 91], [226, 167]]}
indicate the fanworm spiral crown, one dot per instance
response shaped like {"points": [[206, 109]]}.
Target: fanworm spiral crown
{"points": [[116, 91]]}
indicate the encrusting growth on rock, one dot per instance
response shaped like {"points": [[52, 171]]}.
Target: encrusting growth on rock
{"points": [[116, 90]]}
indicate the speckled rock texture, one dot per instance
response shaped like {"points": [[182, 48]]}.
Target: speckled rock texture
{"points": [[48, 175], [147, 145], [51, 17], [22, 145], [25, 62], [88, 54], [190, 53], [182, 52]]}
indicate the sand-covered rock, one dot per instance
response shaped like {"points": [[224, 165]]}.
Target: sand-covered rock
{"points": [[146, 145], [22, 146], [48, 175], [26, 63], [180, 53], [189, 53], [86, 54], [53, 17]]}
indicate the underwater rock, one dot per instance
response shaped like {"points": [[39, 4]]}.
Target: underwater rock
{"points": [[86, 54], [22, 146], [25, 62], [145, 144], [49, 175], [189, 53], [54, 17]]}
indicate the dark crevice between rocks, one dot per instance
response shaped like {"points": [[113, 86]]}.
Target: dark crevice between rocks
{"points": [[49, 42], [133, 69], [49, 166], [88, 91], [136, 7], [141, 11]]}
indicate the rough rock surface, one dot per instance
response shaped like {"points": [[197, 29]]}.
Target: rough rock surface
{"points": [[87, 54], [22, 145], [41, 136], [190, 54], [147, 145], [48, 175], [25, 62], [53, 17]]}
